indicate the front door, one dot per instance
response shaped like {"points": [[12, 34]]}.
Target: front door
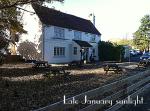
{"points": [[84, 54]]}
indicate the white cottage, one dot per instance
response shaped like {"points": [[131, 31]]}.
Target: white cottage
{"points": [[66, 37]]}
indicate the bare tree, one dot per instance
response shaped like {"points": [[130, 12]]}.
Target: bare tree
{"points": [[14, 3], [28, 50]]}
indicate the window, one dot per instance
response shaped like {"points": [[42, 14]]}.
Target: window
{"points": [[59, 32], [75, 50], [59, 51], [93, 38], [77, 35], [70, 29]]}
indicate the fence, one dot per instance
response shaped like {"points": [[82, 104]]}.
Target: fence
{"points": [[120, 89]]}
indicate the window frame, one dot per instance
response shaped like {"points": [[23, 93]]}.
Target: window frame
{"points": [[93, 38], [77, 35], [59, 32], [75, 50], [59, 51]]}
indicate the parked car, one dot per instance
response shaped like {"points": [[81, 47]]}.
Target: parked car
{"points": [[139, 52], [133, 52], [145, 56]]}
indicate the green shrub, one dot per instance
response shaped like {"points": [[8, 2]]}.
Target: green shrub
{"points": [[110, 52]]}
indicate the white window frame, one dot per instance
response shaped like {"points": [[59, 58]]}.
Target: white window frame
{"points": [[59, 51], [77, 35], [75, 50], [59, 32], [93, 38]]}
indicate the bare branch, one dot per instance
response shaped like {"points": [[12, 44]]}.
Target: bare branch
{"points": [[2, 6], [25, 10], [22, 2]]}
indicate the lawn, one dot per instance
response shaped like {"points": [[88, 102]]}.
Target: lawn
{"points": [[23, 88]]}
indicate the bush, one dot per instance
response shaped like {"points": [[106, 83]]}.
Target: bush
{"points": [[110, 52]]}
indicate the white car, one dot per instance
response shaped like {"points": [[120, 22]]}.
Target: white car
{"points": [[145, 56], [133, 52]]}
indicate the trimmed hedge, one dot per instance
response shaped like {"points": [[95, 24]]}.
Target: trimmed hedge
{"points": [[110, 52], [14, 59]]}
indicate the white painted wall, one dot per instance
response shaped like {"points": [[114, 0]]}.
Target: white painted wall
{"points": [[127, 52], [50, 43], [49, 51], [48, 32], [69, 34], [95, 46], [78, 56]]}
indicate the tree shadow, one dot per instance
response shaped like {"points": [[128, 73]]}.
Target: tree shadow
{"points": [[32, 94], [15, 72]]}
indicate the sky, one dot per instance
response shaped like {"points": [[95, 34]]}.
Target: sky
{"points": [[115, 19]]}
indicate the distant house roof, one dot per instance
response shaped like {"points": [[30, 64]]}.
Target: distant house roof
{"points": [[82, 43], [50, 16]]}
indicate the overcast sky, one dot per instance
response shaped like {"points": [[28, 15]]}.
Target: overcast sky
{"points": [[114, 18]]}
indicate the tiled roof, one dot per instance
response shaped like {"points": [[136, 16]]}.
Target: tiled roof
{"points": [[50, 16], [83, 43]]}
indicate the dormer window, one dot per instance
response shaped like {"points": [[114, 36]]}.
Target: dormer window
{"points": [[59, 32], [77, 35]]}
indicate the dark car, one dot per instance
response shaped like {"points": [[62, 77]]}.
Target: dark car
{"points": [[145, 56]]}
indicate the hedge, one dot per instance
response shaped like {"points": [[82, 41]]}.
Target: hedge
{"points": [[110, 52]]}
